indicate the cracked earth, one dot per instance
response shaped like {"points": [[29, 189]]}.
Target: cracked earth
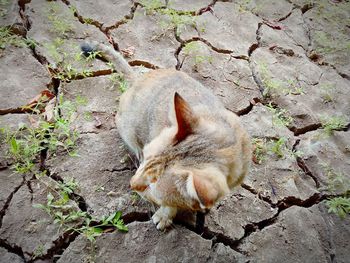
{"points": [[259, 57]]}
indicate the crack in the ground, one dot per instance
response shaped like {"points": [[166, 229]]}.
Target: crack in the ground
{"points": [[302, 130], [12, 248], [124, 20], [9, 199], [266, 199], [246, 110], [65, 240], [118, 170], [60, 244], [251, 228], [302, 165], [183, 43], [143, 63]]}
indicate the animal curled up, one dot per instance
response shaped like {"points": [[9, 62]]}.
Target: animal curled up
{"points": [[192, 151]]}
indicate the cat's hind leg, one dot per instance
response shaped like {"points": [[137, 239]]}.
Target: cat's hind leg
{"points": [[163, 217]]}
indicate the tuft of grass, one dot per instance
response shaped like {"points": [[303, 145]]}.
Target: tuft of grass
{"points": [[178, 21], [8, 39], [118, 79], [331, 124], [271, 86], [327, 92], [279, 147], [151, 6], [58, 18], [260, 150], [192, 50], [26, 144], [4, 7], [172, 19], [70, 218], [339, 206], [280, 116], [337, 182], [66, 66]]}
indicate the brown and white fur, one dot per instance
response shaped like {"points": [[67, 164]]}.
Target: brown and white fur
{"points": [[192, 151]]}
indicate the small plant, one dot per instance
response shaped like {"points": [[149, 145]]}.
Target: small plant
{"points": [[271, 86], [192, 49], [151, 6], [331, 124], [7, 38], [38, 251], [3, 7], [118, 79], [337, 182], [280, 116], [58, 19], [135, 197], [279, 147], [25, 144], [70, 218], [294, 88], [339, 206], [172, 19], [65, 66], [260, 150], [176, 20], [327, 91]]}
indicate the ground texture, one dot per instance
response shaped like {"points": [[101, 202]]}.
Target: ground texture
{"points": [[281, 65]]}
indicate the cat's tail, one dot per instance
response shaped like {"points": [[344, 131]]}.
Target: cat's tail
{"points": [[109, 54]]}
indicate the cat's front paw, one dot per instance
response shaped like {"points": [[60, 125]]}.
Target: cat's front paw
{"points": [[163, 217]]}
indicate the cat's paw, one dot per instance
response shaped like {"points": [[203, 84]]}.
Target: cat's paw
{"points": [[161, 222], [163, 217]]}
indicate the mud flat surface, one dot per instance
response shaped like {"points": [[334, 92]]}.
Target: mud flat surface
{"points": [[282, 65]]}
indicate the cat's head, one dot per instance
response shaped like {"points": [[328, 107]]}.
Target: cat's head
{"points": [[180, 166]]}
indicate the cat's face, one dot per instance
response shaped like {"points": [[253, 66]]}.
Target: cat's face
{"points": [[175, 170]]}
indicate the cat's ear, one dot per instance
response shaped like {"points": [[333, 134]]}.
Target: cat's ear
{"points": [[202, 190], [185, 118]]}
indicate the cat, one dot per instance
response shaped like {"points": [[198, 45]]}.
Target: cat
{"points": [[192, 150]]}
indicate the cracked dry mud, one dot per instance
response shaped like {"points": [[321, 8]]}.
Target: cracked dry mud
{"points": [[258, 56]]}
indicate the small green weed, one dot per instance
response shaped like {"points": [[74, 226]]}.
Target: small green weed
{"points": [[337, 182], [192, 50], [38, 251], [3, 7], [280, 116], [65, 65], [135, 197], [264, 147], [327, 92], [331, 124], [175, 20], [151, 6], [339, 206], [171, 18], [260, 150], [294, 88], [271, 86], [25, 145], [118, 79], [8, 39], [58, 19], [70, 218], [279, 147]]}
